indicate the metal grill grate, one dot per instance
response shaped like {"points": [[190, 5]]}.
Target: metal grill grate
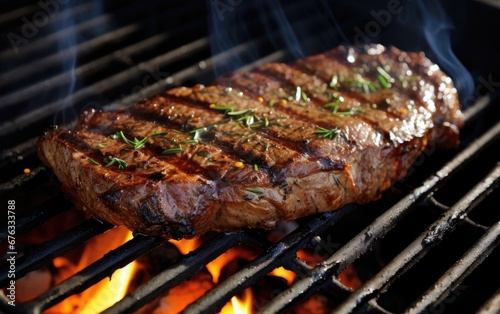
{"points": [[422, 259]]}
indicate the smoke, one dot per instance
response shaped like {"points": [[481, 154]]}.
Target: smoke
{"points": [[307, 27], [68, 50], [431, 32], [269, 26]]}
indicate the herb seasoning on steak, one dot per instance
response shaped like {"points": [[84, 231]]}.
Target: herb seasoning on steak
{"points": [[276, 143]]}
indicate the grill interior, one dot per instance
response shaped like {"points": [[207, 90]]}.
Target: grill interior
{"points": [[429, 245]]}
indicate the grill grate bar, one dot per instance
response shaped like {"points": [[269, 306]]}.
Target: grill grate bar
{"points": [[176, 273], [22, 72], [87, 22], [116, 80], [265, 263], [9, 156], [492, 305], [422, 244], [65, 14], [32, 67], [455, 275], [92, 274], [97, 64], [23, 180], [38, 216], [16, 13], [47, 251], [381, 226], [99, 87]]}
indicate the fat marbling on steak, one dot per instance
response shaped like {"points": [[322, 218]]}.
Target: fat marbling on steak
{"points": [[279, 142]]}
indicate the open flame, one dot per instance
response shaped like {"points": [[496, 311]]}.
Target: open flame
{"points": [[239, 306], [110, 290], [284, 273], [186, 245], [225, 264], [106, 292]]}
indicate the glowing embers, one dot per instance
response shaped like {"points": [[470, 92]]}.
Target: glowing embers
{"points": [[94, 299], [217, 270], [123, 281]]}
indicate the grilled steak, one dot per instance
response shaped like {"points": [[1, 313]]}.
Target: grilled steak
{"points": [[276, 143]]}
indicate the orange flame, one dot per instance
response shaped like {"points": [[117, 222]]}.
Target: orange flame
{"points": [[239, 306], [215, 266], [106, 292], [284, 273], [236, 305], [186, 245]]}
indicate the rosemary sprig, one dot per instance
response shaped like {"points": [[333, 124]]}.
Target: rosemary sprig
{"points": [[304, 96], [226, 109], [254, 190], [372, 87], [192, 141], [383, 77], [174, 150], [240, 112], [334, 106], [265, 122], [260, 124], [197, 133], [247, 120], [94, 162], [334, 82], [349, 112], [112, 160], [331, 134], [136, 143], [298, 93], [159, 134], [360, 82]]}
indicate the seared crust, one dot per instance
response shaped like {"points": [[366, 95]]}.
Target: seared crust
{"points": [[252, 150]]}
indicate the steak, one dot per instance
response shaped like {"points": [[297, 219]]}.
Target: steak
{"points": [[276, 143]]}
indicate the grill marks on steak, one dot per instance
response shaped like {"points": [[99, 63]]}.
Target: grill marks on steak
{"points": [[262, 161]]}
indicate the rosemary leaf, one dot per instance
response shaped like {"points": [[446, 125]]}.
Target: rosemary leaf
{"points": [[136, 143], [298, 93], [334, 82], [383, 77], [94, 162], [304, 97], [331, 134], [174, 150], [241, 112], [158, 134], [332, 105], [112, 160], [255, 191], [382, 80], [203, 153]]}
